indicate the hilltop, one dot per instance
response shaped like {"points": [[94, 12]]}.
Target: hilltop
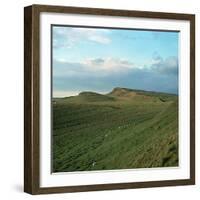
{"points": [[120, 94]]}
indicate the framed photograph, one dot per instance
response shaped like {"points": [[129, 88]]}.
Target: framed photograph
{"points": [[109, 99]]}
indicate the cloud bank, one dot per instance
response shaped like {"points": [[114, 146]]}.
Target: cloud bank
{"points": [[103, 74]]}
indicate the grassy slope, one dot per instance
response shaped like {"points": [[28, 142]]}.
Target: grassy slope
{"points": [[123, 129]]}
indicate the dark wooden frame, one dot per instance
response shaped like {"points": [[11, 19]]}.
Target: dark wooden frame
{"points": [[32, 106]]}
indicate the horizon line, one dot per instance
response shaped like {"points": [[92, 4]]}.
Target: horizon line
{"points": [[76, 93]]}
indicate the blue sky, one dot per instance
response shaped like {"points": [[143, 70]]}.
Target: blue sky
{"points": [[96, 59]]}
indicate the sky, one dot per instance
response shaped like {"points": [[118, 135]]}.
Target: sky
{"points": [[98, 60]]}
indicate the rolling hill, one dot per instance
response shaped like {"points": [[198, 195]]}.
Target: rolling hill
{"points": [[123, 129]]}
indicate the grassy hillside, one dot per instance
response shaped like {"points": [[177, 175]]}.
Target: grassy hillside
{"points": [[120, 130]]}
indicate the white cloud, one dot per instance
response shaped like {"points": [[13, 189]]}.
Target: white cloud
{"points": [[68, 37], [95, 35], [108, 64], [165, 66]]}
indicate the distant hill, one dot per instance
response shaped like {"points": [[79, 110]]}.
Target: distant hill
{"points": [[86, 97], [132, 93], [119, 94]]}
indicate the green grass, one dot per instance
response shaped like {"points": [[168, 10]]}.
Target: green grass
{"points": [[121, 130]]}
